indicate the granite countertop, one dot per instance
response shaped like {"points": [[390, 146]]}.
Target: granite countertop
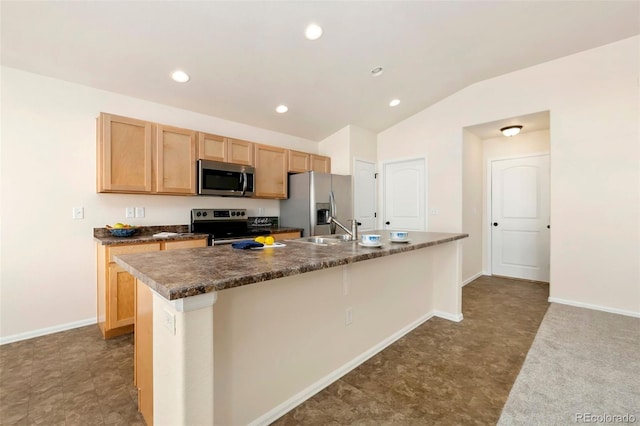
{"points": [[145, 235], [177, 274]]}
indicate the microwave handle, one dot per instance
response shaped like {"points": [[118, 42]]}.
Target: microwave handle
{"points": [[244, 179]]}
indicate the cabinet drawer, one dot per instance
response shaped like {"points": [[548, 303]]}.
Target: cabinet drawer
{"points": [[172, 245], [134, 248]]}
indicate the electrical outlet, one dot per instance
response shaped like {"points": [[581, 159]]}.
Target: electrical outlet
{"points": [[348, 316], [169, 322], [129, 213], [77, 213], [139, 211], [435, 211]]}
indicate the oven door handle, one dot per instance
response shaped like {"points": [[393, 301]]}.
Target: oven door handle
{"points": [[215, 242]]}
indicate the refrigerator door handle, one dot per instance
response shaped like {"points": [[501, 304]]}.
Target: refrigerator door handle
{"points": [[332, 211]]}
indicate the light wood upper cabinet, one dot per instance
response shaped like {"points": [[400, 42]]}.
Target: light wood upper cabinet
{"points": [[271, 171], [320, 163], [124, 154], [176, 160], [212, 147], [299, 162], [240, 152]]}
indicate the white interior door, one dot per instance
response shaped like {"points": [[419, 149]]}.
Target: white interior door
{"points": [[364, 194], [520, 218], [404, 195]]}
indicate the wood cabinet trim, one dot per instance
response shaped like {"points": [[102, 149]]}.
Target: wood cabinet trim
{"points": [[202, 147]]}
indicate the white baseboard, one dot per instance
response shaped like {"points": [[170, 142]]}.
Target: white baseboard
{"points": [[471, 278], [448, 316], [316, 387], [594, 307], [47, 330]]}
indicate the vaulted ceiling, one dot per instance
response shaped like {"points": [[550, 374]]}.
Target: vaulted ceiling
{"points": [[246, 58]]}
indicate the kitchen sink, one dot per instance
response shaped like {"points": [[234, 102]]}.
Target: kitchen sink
{"points": [[325, 240]]}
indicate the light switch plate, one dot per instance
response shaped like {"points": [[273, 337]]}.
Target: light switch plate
{"points": [[77, 213], [139, 211]]}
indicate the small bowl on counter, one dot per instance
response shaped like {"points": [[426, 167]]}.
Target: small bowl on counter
{"points": [[122, 232]]}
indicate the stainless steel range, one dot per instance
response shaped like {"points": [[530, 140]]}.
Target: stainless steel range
{"points": [[224, 226]]}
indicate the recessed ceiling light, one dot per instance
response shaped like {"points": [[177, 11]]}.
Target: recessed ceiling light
{"points": [[394, 102], [313, 32], [180, 76], [376, 71], [282, 109], [511, 130]]}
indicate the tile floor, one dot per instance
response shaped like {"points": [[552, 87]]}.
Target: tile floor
{"points": [[69, 378], [441, 373]]}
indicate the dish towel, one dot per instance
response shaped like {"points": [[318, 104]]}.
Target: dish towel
{"points": [[245, 245]]}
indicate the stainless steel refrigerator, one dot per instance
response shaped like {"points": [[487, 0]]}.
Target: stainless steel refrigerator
{"points": [[313, 197]]}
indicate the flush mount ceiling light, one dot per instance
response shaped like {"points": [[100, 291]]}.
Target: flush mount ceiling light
{"points": [[282, 109], [180, 76], [376, 71], [511, 130], [394, 102], [313, 32]]}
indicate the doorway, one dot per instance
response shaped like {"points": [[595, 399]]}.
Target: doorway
{"points": [[364, 194], [519, 217]]}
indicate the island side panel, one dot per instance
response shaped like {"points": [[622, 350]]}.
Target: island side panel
{"points": [[279, 342], [447, 280]]}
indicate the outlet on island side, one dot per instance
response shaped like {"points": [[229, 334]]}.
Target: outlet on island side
{"points": [[348, 316], [169, 321]]}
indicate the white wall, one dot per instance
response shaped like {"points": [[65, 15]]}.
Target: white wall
{"points": [[48, 263], [364, 144], [472, 186], [593, 98], [337, 147]]}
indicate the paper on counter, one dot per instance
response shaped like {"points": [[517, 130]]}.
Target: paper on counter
{"points": [[165, 234]]}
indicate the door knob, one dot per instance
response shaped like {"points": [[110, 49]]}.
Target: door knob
{"points": [[387, 223], [495, 223], [548, 226]]}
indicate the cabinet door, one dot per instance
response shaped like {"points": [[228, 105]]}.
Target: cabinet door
{"points": [[299, 162], [271, 171], [121, 297], [240, 152], [320, 163], [176, 160], [124, 154], [212, 147]]}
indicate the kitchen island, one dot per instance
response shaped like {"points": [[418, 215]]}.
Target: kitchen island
{"points": [[242, 336]]}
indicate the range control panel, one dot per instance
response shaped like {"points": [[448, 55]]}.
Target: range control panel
{"points": [[218, 214]]}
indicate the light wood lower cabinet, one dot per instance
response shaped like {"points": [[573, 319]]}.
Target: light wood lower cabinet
{"points": [[286, 236], [116, 288]]}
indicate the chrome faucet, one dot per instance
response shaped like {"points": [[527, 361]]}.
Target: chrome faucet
{"points": [[353, 232]]}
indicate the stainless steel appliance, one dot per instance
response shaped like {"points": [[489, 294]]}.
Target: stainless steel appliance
{"points": [[224, 226], [226, 179], [313, 198]]}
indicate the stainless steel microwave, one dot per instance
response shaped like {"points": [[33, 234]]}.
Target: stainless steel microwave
{"points": [[226, 179]]}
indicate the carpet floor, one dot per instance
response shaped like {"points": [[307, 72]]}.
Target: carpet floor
{"points": [[583, 367]]}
